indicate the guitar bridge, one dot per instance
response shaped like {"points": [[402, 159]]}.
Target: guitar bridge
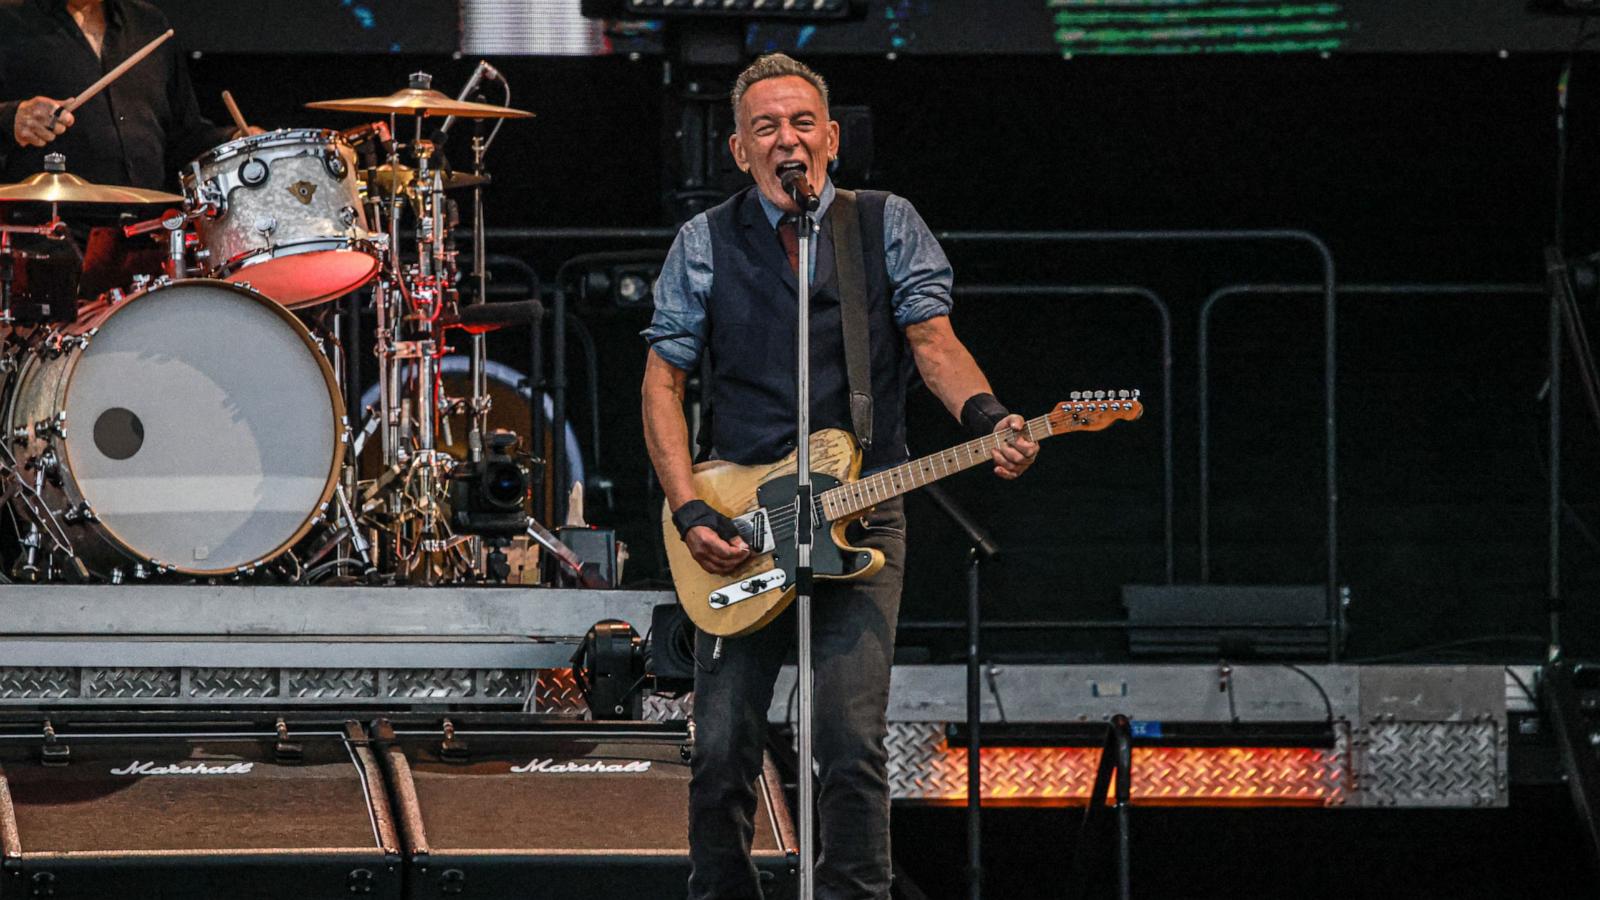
{"points": [[756, 529], [739, 591]]}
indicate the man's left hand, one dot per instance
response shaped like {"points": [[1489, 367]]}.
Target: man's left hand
{"points": [[1011, 460]]}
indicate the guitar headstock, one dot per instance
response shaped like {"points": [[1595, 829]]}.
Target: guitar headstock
{"points": [[1094, 410]]}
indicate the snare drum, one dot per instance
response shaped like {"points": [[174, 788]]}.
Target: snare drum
{"points": [[193, 427], [289, 218]]}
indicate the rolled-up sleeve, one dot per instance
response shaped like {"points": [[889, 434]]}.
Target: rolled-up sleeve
{"points": [[919, 272], [677, 331]]}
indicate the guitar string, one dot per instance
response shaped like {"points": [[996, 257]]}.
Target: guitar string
{"points": [[783, 519]]}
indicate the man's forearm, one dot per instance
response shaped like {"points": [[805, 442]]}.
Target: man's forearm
{"points": [[666, 432], [945, 363]]}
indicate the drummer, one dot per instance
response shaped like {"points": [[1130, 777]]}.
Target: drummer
{"points": [[139, 131]]}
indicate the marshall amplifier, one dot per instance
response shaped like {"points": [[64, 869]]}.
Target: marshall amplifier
{"points": [[179, 810], [496, 807]]}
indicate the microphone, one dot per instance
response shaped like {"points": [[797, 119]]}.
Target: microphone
{"points": [[484, 70], [793, 177], [481, 318]]}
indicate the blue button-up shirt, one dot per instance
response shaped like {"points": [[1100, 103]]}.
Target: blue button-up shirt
{"points": [[919, 275]]}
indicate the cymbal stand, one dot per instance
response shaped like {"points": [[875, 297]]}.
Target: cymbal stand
{"points": [[480, 280], [54, 229]]}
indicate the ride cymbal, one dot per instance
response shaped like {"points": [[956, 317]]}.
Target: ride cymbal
{"points": [[420, 102]]}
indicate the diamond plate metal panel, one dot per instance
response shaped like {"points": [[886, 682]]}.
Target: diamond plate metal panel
{"points": [[232, 684], [1432, 764], [924, 767], [38, 683], [661, 708], [331, 684], [129, 684], [507, 684], [428, 684], [557, 692]]}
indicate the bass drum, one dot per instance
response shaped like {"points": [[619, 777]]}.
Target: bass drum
{"points": [[193, 427]]}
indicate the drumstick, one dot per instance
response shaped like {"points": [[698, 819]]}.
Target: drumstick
{"points": [[233, 110], [75, 102]]}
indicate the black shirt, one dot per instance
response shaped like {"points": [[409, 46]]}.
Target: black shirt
{"points": [[139, 131]]}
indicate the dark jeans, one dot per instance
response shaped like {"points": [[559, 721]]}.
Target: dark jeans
{"points": [[853, 624]]}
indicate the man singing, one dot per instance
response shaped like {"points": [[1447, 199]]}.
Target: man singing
{"points": [[727, 295]]}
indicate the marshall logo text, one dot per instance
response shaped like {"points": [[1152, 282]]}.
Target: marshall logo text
{"points": [[550, 766], [149, 768]]}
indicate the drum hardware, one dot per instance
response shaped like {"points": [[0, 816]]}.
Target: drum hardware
{"points": [[55, 229], [274, 218]]}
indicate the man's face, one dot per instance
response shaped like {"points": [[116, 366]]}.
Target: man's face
{"points": [[783, 120]]}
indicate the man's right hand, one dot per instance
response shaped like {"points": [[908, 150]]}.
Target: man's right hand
{"points": [[715, 555], [37, 124]]}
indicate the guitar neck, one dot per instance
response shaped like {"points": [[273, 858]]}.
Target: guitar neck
{"points": [[856, 496]]}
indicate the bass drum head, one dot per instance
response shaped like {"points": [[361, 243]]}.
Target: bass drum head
{"points": [[205, 430]]}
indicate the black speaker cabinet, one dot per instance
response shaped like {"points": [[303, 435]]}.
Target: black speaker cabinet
{"points": [[556, 810], [182, 810]]}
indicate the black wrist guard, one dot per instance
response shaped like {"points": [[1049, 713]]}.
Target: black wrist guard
{"points": [[981, 413], [698, 512]]}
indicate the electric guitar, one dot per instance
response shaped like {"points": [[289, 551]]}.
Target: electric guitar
{"points": [[761, 502]]}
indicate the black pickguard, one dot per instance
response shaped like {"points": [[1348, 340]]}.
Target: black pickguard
{"points": [[827, 557]]}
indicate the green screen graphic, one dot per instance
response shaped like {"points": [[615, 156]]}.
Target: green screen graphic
{"points": [[1164, 27]]}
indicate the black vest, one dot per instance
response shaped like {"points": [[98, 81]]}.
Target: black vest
{"points": [[751, 342]]}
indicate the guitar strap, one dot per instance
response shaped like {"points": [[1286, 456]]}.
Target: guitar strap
{"points": [[844, 223]]}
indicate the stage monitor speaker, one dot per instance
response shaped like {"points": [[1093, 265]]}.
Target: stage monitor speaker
{"points": [[496, 807], [179, 810], [1228, 620]]}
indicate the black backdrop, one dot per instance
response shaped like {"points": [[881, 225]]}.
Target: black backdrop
{"points": [[1413, 168]]}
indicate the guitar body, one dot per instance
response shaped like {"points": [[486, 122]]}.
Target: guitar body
{"points": [[735, 491]]}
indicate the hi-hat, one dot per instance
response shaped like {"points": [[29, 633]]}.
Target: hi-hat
{"points": [[420, 102], [65, 187]]}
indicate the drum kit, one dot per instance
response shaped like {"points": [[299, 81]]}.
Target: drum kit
{"points": [[191, 424]]}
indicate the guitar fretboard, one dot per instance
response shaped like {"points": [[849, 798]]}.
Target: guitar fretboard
{"points": [[849, 499]]}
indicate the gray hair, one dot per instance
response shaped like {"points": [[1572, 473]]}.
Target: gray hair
{"points": [[775, 65]]}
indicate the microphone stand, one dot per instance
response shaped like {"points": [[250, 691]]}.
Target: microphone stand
{"points": [[983, 549], [804, 525]]}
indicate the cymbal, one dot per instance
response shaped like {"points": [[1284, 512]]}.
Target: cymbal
{"points": [[387, 179], [65, 187], [420, 102]]}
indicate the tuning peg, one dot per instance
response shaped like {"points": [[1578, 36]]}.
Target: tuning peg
{"points": [[1099, 395], [1074, 395], [1122, 395]]}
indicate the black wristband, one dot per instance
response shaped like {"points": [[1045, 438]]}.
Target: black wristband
{"points": [[698, 512], [981, 413]]}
